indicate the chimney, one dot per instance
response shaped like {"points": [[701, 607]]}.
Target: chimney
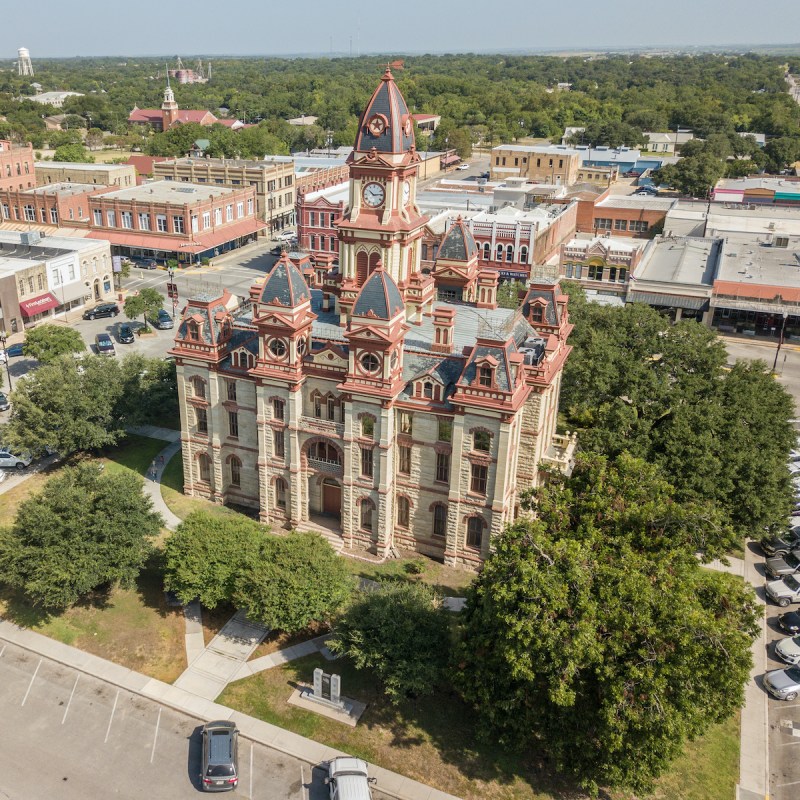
{"points": [[487, 288], [443, 326]]}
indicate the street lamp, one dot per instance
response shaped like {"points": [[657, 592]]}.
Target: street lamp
{"points": [[780, 341], [173, 289], [3, 338]]}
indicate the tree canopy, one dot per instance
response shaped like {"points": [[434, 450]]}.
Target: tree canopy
{"points": [[46, 343], [401, 633], [601, 656], [145, 303], [85, 530]]}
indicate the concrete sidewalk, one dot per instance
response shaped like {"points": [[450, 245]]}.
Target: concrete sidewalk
{"points": [[284, 741], [216, 665], [152, 482]]}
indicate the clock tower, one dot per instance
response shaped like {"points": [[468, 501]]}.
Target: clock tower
{"points": [[382, 223]]}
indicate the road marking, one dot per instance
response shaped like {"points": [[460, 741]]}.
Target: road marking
{"points": [[111, 718], [303, 786], [33, 678], [250, 794], [796, 741], [155, 738], [72, 693], [782, 785], [3, 650]]}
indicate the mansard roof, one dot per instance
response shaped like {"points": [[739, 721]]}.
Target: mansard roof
{"points": [[209, 313], [458, 244], [395, 131], [285, 285], [548, 295], [379, 297]]}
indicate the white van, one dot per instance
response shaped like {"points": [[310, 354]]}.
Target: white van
{"points": [[348, 779]]}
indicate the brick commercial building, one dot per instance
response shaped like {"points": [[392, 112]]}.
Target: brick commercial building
{"points": [[317, 213], [168, 220], [366, 408], [16, 166], [272, 178], [602, 263], [53, 205], [554, 164], [119, 175]]}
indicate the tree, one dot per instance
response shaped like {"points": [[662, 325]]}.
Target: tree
{"points": [[85, 530], [293, 581], [508, 294], [73, 152], [206, 553], [693, 175], [401, 633], [68, 405], [145, 303], [46, 343], [606, 659], [149, 391]]}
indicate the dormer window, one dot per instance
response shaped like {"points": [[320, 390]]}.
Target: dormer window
{"points": [[193, 330], [485, 376], [537, 314], [427, 390]]}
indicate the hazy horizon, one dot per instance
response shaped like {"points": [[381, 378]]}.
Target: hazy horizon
{"points": [[249, 28]]}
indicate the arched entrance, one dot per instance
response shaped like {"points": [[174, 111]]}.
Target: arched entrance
{"points": [[97, 288]]}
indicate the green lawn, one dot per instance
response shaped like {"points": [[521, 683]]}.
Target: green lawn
{"points": [[432, 740], [450, 582], [135, 453]]}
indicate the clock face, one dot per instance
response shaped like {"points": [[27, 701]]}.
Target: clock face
{"points": [[373, 194], [377, 125], [406, 192]]}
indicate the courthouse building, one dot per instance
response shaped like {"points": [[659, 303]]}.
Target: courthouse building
{"points": [[366, 406]]}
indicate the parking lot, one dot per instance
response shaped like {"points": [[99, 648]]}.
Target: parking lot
{"points": [[72, 736]]}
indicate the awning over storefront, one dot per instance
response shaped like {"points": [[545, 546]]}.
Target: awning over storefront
{"points": [[198, 243], [451, 159], [669, 300], [38, 305]]}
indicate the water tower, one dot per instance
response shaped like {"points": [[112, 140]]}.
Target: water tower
{"points": [[24, 66]]}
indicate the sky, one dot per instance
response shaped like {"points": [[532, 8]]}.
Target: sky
{"points": [[57, 28]]}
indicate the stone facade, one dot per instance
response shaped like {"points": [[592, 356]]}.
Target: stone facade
{"points": [[407, 423]]}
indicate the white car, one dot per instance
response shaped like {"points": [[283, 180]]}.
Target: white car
{"points": [[463, 166], [287, 235], [348, 779], [788, 649], [784, 591], [9, 459]]}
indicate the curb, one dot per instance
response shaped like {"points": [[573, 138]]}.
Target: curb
{"points": [[286, 742]]}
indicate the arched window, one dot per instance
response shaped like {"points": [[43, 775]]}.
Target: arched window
{"points": [[482, 440], [374, 258], [510, 252], [487, 251], [366, 515], [204, 463], [236, 471], [523, 255], [403, 511], [280, 493], [199, 387], [362, 267], [424, 252], [323, 451], [499, 252], [440, 520], [367, 427], [475, 532]]}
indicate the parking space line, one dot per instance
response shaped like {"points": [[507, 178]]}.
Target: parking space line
{"points": [[783, 785], [250, 792], [155, 737], [72, 694], [785, 744], [3, 651], [303, 787], [111, 718], [33, 678]]}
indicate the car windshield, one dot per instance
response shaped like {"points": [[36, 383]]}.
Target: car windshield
{"points": [[792, 560], [793, 673], [792, 583], [220, 771]]}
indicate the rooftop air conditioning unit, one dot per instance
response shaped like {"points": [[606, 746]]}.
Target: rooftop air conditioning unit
{"points": [[30, 238]]}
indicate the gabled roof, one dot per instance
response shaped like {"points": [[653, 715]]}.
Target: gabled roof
{"points": [[379, 297], [396, 134], [285, 285], [458, 244]]}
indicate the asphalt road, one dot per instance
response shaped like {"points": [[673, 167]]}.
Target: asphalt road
{"points": [[68, 736]]}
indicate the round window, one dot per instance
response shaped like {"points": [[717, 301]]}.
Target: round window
{"points": [[278, 348], [370, 362]]}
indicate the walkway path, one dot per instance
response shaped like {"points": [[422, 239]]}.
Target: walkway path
{"points": [[211, 671]]}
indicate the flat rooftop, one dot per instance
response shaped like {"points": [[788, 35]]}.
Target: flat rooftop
{"points": [[333, 194], [49, 244], [681, 261], [772, 183], [616, 243], [248, 163], [545, 149], [637, 203], [81, 166], [744, 260], [175, 192], [65, 188]]}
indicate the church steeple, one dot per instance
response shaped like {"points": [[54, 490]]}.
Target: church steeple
{"points": [[169, 108]]}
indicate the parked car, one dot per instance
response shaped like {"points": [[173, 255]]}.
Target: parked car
{"points": [[163, 320], [781, 544], [15, 350], [104, 345], [103, 310], [9, 459], [287, 235], [788, 564], [220, 756], [790, 622], [4, 402], [783, 683], [463, 166], [125, 334], [784, 591], [348, 779], [788, 650], [276, 251]]}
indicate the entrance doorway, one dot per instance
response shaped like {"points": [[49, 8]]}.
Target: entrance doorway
{"points": [[331, 498]]}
